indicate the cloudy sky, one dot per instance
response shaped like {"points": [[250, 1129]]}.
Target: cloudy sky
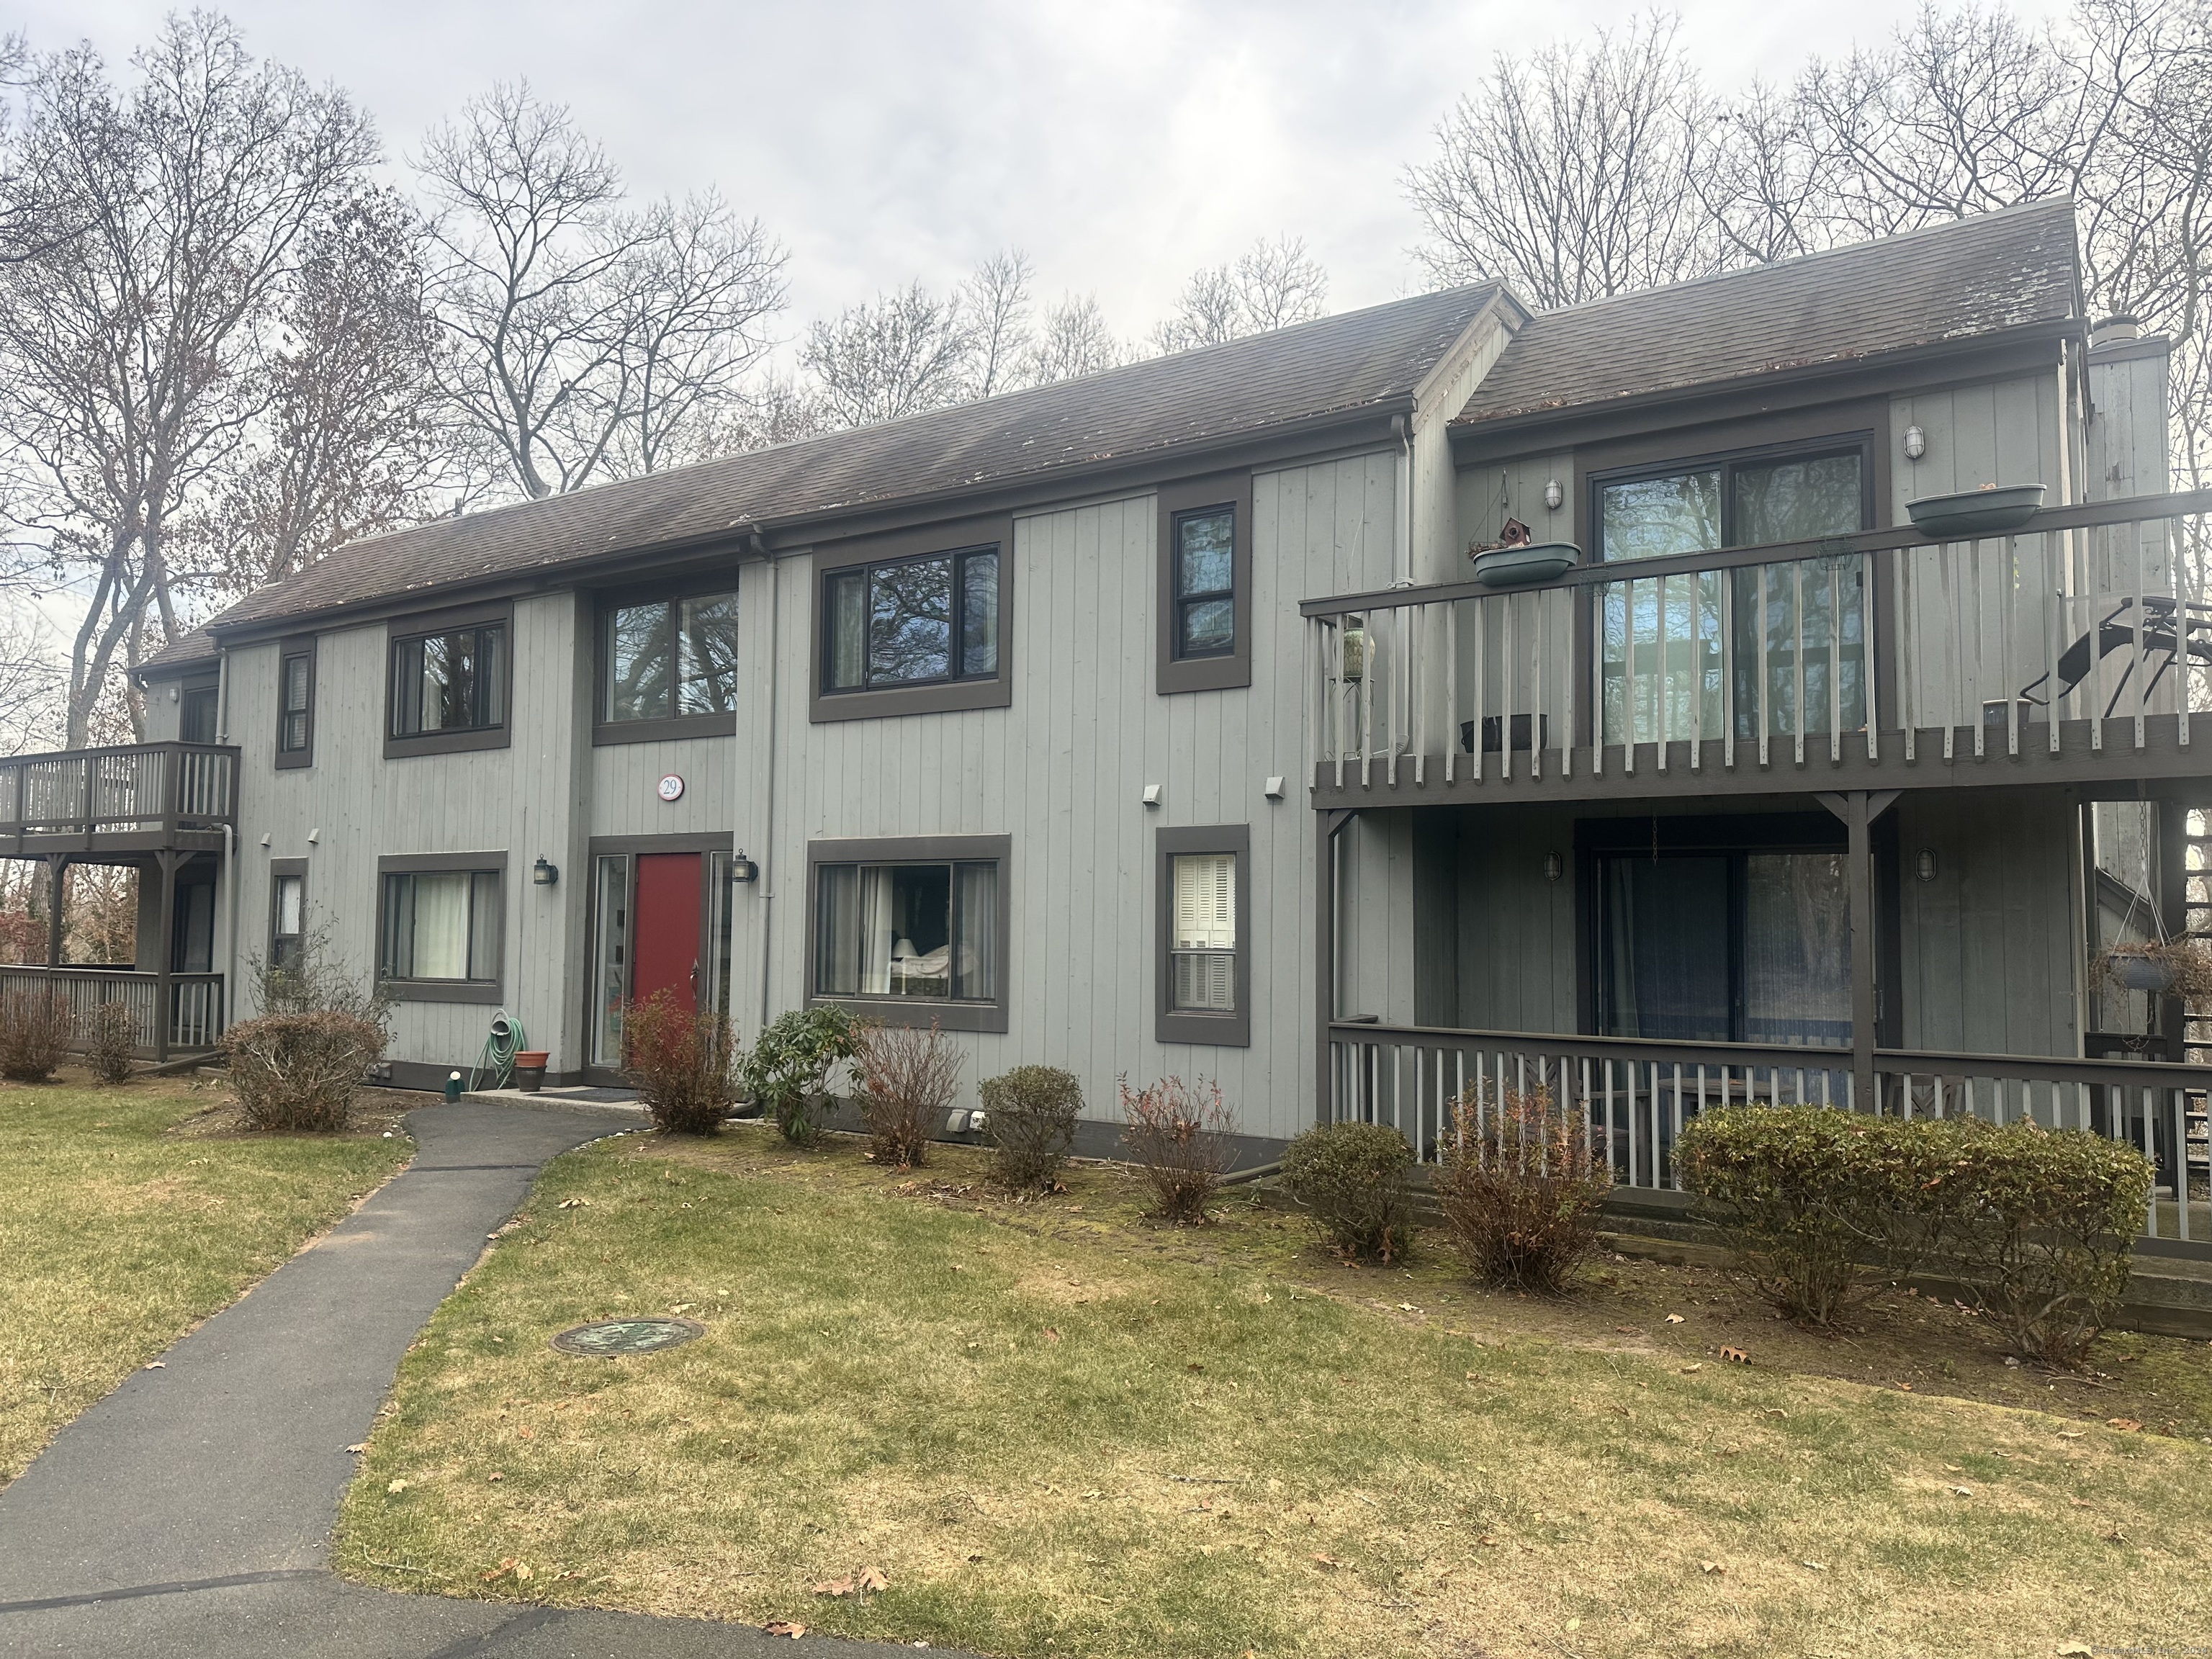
{"points": [[1120, 145]]}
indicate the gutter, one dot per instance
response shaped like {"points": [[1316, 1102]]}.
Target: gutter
{"points": [[758, 544]]}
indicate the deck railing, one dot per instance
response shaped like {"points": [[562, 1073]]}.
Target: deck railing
{"points": [[195, 1012], [143, 788], [2099, 613], [1635, 1096]]}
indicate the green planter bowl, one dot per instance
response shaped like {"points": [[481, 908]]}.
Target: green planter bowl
{"points": [[1976, 511], [1517, 567]]}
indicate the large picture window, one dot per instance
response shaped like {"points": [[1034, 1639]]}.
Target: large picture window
{"points": [[1205, 969], [440, 930], [912, 929], [1794, 633], [450, 682], [914, 621], [664, 660]]}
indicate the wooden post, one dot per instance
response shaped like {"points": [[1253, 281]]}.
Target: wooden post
{"points": [[164, 961], [1326, 824], [57, 865], [1861, 862]]}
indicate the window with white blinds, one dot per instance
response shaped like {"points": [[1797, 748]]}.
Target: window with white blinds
{"points": [[1203, 957]]}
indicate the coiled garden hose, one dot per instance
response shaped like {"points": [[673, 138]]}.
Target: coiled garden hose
{"points": [[507, 1039]]}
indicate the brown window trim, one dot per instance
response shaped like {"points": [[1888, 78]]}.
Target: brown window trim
{"points": [[939, 697], [422, 622], [990, 1015], [443, 990], [1220, 1030], [1233, 668], [302, 645], [285, 867], [607, 734]]}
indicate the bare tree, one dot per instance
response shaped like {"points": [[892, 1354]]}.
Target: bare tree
{"points": [[1572, 174], [589, 340], [30, 704], [997, 301], [1073, 340], [1271, 286], [129, 347]]}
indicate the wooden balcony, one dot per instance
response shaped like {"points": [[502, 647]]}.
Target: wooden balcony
{"points": [[190, 1021], [2077, 649], [146, 797]]}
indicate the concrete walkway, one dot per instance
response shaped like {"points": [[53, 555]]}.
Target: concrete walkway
{"points": [[189, 1513]]}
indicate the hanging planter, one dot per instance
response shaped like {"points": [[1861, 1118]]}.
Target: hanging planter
{"points": [[2178, 967], [1989, 511], [1530, 563]]}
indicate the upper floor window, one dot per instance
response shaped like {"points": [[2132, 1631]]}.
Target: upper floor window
{"points": [[1205, 582], [295, 702], [668, 659], [1733, 502], [197, 713], [923, 621], [1205, 595], [454, 681]]}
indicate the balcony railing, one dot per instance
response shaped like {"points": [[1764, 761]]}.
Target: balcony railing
{"points": [[1635, 1096], [194, 1016], [148, 789], [2091, 626]]}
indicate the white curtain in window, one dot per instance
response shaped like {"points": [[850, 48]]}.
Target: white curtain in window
{"points": [[441, 927], [877, 931]]}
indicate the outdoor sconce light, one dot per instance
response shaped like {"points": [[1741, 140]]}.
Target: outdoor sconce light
{"points": [[1924, 866], [1916, 443], [1151, 794], [743, 869], [1553, 494], [1553, 867], [543, 873]]}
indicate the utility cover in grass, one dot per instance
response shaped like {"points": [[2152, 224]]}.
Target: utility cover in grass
{"points": [[610, 1339]]}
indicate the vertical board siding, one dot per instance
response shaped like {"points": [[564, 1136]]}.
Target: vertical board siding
{"points": [[1988, 945], [2127, 432], [1062, 771], [1491, 492], [519, 801], [625, 779], [1517, 950]]}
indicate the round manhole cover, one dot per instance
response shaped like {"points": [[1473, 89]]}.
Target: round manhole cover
{"points": [[607, 1337]]}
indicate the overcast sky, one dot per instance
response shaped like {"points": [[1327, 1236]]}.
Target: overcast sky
{"points": [[1119, 145]]}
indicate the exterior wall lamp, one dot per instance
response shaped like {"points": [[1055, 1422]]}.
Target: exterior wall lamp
{"points": [[1916, 443], [1553, 494], [1555, 867], [1924, 866], [545, 874], [743, 869]]}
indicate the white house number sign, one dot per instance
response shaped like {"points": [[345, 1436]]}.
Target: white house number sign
{"points": [[671, 787]]}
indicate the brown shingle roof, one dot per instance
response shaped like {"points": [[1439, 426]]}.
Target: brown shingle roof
{"points": [[1979, 276], [1341, 364]]}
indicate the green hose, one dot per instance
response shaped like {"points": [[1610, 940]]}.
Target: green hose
{"points": [[507, 1039]]}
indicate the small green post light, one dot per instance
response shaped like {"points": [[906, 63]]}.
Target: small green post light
{"points": [[452, 1085]]}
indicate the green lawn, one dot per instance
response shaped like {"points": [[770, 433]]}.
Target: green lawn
{"points": [[119, 1233], [1056, 1430]]}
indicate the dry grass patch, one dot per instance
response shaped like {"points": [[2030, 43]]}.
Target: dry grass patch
{"points": [[1245, 1449], [121, 1234]]}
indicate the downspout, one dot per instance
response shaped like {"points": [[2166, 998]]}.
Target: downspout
{"points": [[229, 836], [767, 855], [1402, 551]]}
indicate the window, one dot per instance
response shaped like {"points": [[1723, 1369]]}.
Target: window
{"points": [[287, 912], [1668, 642], [295, 702], [668, 660], [440, 923], [915, 930], [1205, 975], [1205, 583], [918, 621], [449, 685]]}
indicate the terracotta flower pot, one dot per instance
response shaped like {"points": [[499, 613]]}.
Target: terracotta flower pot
{"points": [[530, 1070]]}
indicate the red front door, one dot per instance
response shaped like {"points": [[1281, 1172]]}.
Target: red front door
{"points": [[667, 939]]}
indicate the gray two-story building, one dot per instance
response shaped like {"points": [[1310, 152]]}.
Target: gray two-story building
{"points": [[1440, 696]]}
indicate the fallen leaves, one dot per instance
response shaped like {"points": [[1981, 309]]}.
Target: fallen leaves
{"points": [[520, 1570], [863, 1582], [1961, 1492], [783, 1627], [158, 1365], [358, 1447], [1716, 1569], [1327, 1560], [2124, 1424], [396, 1488], [1737, 1355], [1673, 1319], [1051, 1334]]}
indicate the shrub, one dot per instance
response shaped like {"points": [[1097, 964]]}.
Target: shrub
{"points": [[1817, 1205], [788, 1070], [110, 1032], [907, 1079], [35, 1028], [1028, 1119], [1350, 1177], [315, 979], [1521, 1188], [301, 1071], [2050, 1238], [681, 1062], [1180, 1137]]}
